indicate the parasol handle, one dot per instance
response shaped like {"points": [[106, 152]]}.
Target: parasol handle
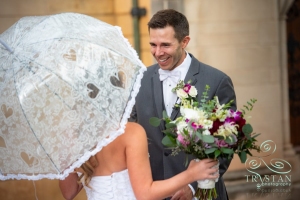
{"points": [[6, 46]]}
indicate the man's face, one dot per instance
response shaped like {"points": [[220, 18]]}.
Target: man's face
{"points": [[166, 49]]}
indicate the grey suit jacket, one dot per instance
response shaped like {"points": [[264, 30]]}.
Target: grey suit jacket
{"points": [[149, 103]]}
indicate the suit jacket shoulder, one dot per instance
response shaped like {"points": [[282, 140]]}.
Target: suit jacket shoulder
{"points": [[198, 67], [219, 82]]}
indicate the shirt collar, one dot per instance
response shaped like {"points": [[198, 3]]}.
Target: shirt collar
{"points": [[184, 66]]}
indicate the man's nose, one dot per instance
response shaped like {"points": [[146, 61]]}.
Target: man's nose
{"points": [[158, 51]]}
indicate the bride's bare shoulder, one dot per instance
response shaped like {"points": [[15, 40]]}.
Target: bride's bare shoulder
{"points": [[135, 129]]}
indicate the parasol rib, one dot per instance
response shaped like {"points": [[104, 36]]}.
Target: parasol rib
{"points": [[6, 46]]}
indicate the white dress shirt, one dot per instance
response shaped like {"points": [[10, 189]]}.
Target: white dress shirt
{"points": [[170, 97], [168, 84]]}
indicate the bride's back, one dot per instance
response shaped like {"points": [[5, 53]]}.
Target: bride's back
{"points": [[112, 158]]}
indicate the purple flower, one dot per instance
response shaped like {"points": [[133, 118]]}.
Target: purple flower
{"points": [[194, 126], [221, 143], [229, 120], [236, 115], [187, 88], [207, 146], [216, 125]]}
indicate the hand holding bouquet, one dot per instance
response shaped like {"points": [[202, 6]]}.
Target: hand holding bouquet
{"points": [[207, 129]]}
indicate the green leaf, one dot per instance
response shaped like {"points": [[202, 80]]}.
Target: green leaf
{"points": [[227, 150], [246, 107], [243, 156], [210, 150], [165, 115], [229, 140], [208, 139], [169, 141], [213, 145], [248, 152], [243, 111], [248, 144], [248, 136], [247, 129], [186, 161], [199, 135], [154, 121], [256, 135], [219, 137], [217, 153], [168, 132], [170, 125]]}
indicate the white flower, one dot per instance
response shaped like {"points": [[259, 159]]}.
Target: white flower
{"points": [[221, 115], [230, 128], [227, 129], [206, 132], [206, 123], [190, 114], [181, 94], [193, 91], [181, 125]]}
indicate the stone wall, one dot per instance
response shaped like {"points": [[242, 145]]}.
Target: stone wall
{"points": [[115, 12], [241, 38], [246, 40]]}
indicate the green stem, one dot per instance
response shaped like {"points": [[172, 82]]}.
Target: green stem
{"points": [[206, 194]]}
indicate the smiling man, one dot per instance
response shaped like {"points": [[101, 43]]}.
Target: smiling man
{"points": [[167, 50], [169, 36]]}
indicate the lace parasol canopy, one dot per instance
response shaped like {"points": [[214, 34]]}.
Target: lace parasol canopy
{"points": [[68, 83]]}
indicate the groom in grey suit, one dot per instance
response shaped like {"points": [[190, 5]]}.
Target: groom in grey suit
{"points": [[169, 35]]}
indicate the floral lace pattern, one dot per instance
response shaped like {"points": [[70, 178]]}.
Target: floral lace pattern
{"points": [[67, 90], [114, 187]]}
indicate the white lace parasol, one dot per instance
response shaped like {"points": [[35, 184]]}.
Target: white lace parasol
{"points": [[68, 83]]}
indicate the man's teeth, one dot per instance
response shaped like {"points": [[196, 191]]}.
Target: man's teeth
{"points": [[163, 60]]}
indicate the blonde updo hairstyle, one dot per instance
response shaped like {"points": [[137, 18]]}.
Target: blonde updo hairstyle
{"points": [[87, 170]]}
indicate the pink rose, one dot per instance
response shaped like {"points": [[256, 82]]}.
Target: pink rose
{"points": [[182, 140]]}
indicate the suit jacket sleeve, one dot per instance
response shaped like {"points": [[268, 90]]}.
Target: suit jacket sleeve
{"points": [[133, 115]]}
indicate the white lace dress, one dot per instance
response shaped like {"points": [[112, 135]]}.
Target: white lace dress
{"points": [[117, 186]]}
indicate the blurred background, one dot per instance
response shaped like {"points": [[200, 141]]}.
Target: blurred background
{"points": [[256, 42]]}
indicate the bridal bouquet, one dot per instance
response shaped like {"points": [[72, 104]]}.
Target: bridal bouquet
{"points": [[207, 129]]}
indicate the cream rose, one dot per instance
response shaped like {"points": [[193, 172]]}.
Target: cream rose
{"points": [[181, 94], [193, 91]]}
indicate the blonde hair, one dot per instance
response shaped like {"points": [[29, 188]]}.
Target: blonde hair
{"points": [[87, 170]]}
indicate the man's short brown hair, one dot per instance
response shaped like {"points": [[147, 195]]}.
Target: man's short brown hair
{"points": [[173, 18]]}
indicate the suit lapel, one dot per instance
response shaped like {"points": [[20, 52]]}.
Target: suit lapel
{"points": [[193, 71], [157, 93], [190, 76]]}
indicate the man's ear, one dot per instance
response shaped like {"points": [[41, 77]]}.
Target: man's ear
{"points": [[185, 41]]}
